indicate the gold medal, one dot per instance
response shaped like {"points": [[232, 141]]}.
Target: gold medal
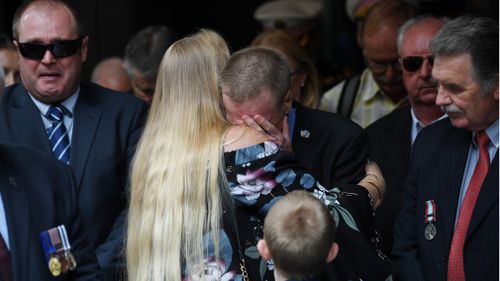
{"points": [[55, 266]]}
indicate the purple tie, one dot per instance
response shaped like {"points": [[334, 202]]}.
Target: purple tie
{"points": [[5, 264]]}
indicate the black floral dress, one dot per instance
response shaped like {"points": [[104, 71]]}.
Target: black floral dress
{"points": [[258, 177]]}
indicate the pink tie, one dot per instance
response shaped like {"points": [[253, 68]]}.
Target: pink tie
{"points": [[456, 260]]}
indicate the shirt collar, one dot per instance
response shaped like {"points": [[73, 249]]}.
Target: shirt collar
{"points": [[68, 103], [492, 132], [417, 123], [370, 86]]}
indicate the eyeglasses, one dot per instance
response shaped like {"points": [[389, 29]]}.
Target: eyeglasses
{"points": [[413, 63], [379, 67], [59, 49]]}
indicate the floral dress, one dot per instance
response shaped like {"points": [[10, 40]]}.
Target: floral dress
{"points": [[258, 177]]}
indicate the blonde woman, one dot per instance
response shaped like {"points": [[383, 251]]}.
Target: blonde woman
{"points": [[186, 218]]}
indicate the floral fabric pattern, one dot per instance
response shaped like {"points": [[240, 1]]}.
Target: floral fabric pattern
{"points": [[258, 177]]}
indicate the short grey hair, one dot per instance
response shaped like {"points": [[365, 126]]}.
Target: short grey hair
{"points": [[413, 22], [253, 69], [478, 37]]}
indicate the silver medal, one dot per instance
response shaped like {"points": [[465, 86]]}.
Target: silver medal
{"points": [[430, 231]]}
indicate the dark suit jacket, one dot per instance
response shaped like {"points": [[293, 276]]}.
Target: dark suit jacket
{"points": [[335, 150], [390, 145], [106, 128], [39, 193], [437, 165]]}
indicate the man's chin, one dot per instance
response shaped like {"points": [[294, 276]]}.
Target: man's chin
{"points": [[428, 96], [458, 121]]}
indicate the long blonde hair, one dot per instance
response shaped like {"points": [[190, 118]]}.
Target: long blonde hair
{"points": [[175, 196]]}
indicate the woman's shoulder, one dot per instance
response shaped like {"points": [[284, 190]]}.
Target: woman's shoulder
{"points": [[240, 136]]}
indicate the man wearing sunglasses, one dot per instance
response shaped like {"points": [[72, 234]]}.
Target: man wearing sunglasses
{"points": [[391, 137], [92, 129], [448, 227]]}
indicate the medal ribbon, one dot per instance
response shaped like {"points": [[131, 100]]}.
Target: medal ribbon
{"points": [[430, 210]]}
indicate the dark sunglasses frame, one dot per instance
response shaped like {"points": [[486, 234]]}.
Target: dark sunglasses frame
{"points": [[59, 49], [414, 63]]}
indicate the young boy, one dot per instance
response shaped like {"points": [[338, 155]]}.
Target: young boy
{"points": [[299, 234]]}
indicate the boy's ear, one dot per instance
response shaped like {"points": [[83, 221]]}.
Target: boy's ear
{"points": [[334, 249], [264, 251]]}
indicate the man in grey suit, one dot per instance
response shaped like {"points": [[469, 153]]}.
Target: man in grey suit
{"points": [[92, 129]]}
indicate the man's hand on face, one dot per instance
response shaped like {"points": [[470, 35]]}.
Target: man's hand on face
{"points": [[281, 138]]}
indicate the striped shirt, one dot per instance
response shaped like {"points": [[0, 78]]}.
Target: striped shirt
{"points": [[369, 105]]}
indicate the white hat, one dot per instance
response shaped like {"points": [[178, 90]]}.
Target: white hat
{"points": [[358, 8], [287, 13]]}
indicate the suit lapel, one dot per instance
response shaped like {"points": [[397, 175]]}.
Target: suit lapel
{"points": [[401, 144], [18, 223], [487, 197], [453, 166], [87, 117], [303, 137], [27, 119]]}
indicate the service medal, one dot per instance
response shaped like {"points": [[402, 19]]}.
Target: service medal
{"points": [[55, 266], [57, 250], [430, 218], [430, 231]]}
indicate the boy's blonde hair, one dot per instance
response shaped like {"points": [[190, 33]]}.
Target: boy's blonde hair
{"points": [[299, 232]]}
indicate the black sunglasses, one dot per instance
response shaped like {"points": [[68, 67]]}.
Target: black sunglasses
{"points": [[59, 49], [413, 63]]}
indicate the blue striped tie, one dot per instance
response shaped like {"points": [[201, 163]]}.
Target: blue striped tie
{"points": [[58, 136]]}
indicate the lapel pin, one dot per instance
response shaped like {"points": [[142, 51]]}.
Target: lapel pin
{"points": [[305, 134], [12, 181]]}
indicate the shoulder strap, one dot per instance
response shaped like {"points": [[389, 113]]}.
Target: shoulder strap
{"points": [[348, 95]]}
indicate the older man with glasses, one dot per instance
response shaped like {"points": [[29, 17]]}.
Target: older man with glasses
{"points": [[392, 136], [379, 89], [92, 129]]}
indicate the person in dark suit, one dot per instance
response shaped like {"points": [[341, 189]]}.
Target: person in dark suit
{"points": [[333, 148], [92, 129], [38, 193], [256, 92], [448, 227], [391, 137]]}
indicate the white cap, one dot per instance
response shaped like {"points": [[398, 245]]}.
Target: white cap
{"points": [[358, 8], [287, 13]]}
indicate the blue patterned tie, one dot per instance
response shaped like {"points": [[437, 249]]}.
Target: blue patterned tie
{"points": [[58, 136]]}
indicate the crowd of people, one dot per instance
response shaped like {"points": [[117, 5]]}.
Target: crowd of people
{"points": [[186, 160]]}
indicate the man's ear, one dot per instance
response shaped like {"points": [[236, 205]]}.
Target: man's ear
{"points": [[334, 249], [264, 251], [288, 101], [84, 47]]}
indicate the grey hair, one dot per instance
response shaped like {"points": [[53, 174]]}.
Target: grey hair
{"points": [[145, 50], [478, 37], [413, 22], [252, 69]]}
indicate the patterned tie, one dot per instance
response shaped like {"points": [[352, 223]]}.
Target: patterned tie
{"points": [[5, 263], [456, 260], [58, 136]]}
